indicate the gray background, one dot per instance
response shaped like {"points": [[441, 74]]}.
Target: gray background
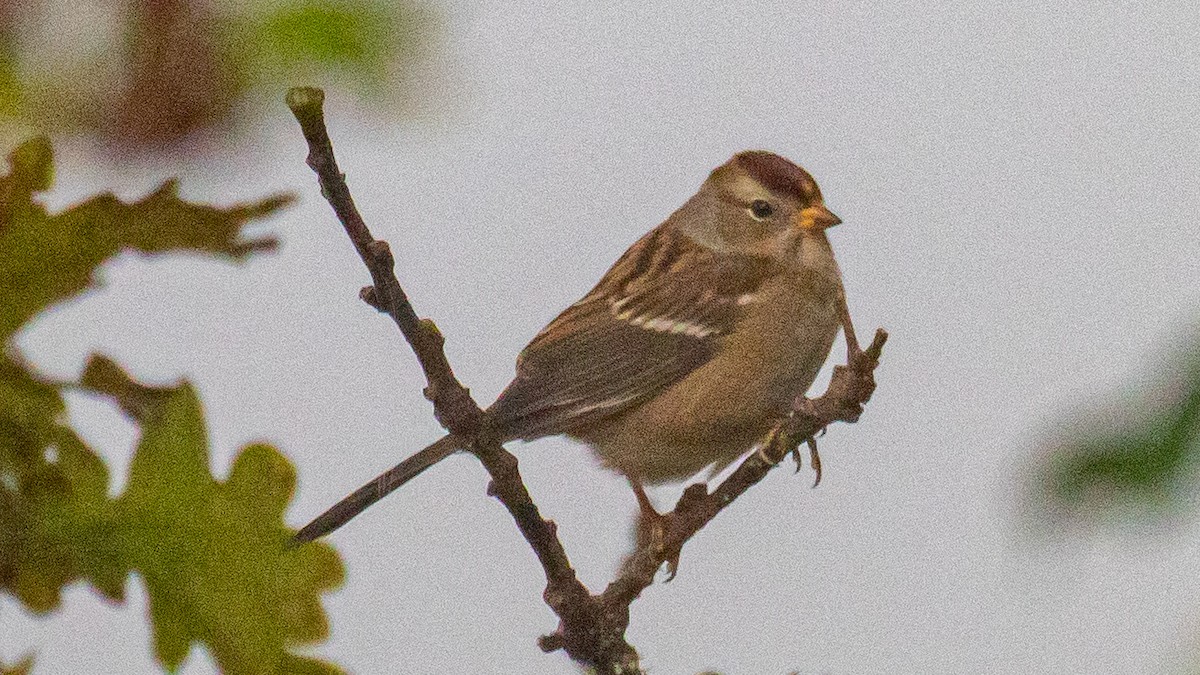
{"points": [[1018, 184]]}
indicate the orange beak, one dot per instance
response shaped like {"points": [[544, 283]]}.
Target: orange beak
{"points": [[817, 218]]}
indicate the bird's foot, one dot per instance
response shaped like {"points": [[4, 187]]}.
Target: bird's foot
{"points": [[772, 440], [651, 529]]}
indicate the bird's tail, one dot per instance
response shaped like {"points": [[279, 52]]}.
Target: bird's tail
{"points": [[341, 513]]}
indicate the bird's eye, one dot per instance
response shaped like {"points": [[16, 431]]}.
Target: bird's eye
{"points": [[761, 209]]}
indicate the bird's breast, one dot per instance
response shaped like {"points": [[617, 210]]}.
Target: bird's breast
{"points": [[726, 406], [782, 341]]}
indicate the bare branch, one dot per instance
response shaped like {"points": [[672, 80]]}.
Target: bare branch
{"points": [[591, 627], [453, 405], [452, 402]]}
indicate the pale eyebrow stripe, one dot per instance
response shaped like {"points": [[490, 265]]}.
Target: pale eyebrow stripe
{"points": [[746, 189]]}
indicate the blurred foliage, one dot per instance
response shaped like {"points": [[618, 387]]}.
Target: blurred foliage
{"points": [[357, 40], [213, 555], [150, 73], [22, 667], [1142, 457], [47, 259]]}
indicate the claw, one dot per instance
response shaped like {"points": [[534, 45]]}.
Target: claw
{"points": [[796, 458], [814, 458], [672, 565]]}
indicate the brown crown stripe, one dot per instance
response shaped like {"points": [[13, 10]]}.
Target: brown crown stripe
{"points": [[778, 174]]}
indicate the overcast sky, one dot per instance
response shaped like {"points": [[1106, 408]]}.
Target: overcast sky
{"points": [[1018, 184]]}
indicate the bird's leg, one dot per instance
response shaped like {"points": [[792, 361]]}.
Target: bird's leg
{"points": [[852, 347], [650, 523], [651, 529]]}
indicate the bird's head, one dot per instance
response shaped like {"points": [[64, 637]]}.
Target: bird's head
{"points": [[758, 204]]}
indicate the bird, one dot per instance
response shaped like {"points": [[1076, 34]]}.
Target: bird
{"points": [[688, 350]]}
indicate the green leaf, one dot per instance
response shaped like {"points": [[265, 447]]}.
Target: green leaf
{"points": [[45, 472], [359, 40], [141, 402], [214, 556], [48, 258], [1149, 461], [30, 172]]}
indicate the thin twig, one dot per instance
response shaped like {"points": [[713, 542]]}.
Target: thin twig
{"points": [[452, 402], [591, 627]]}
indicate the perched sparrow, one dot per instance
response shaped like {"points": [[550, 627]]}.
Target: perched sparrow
{"points": [[691, 347]]}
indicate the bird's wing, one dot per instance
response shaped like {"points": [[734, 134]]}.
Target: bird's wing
{"points": [[658, 314]]}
